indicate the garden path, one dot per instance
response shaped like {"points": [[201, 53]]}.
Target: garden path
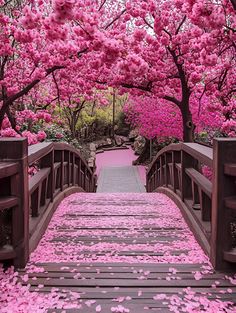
{"points": [[121, 157], [120, 179]]}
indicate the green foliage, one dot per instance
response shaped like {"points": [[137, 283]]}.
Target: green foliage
{"points": [[207, 136], [85, 119], [56, 133]]}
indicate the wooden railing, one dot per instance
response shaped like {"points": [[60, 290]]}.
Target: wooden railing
{"points": [[28, 202], [209, 206]]}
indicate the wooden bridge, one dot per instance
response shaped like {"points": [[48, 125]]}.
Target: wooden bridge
{"points": [[120, 249]]}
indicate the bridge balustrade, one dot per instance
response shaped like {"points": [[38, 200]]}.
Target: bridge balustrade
{"points": [[27, 202], [207, 203]]}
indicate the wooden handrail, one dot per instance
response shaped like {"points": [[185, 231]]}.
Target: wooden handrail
{"points": [[203, 153], [208, 206], [38, 151], [31, 201]]}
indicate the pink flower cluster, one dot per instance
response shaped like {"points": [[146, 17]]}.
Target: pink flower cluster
{"points": [[63, 10], [26, 115]]}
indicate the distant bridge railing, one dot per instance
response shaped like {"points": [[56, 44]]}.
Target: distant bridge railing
{"points": [[208, 205], [28, 202]]}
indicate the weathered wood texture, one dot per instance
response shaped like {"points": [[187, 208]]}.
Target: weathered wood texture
{"points": [[113, 284], [104, 229], [178, 170], [25, 202]]}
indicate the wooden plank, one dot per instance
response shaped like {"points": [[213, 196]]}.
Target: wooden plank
{"points": [[126, 275], [223, 187], [200, 180], [114, 282], [7, 253], [107, 308], [38, 151], [147, 292], [8, 169], [8, 202], [122, 265], [38, 178], [199, 152], [230, 169]]}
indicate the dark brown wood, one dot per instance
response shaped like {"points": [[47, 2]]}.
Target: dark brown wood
{"points": [[223, 188], [230, 256], [230, 202], [48, 162], [199, 152], [8, 169], [14, 194], [7, 253], [37, 190], [38, 151], [200, 180], [230, 169], [58, 166], [187, 161], [214, 212], [8, 202]]}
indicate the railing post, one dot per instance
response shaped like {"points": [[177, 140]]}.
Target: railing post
{"points": [[48, 161], [73, 169], [16, 150], [85, 179], [186, 162], [62, 170], [79, 172], [224, 175], [176, 159]]}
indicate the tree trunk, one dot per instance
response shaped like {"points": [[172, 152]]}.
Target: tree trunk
{"points": [[188, 126], [3, 111], [73, 126]]}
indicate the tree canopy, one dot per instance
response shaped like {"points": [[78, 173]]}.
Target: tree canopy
{"points": [[176, 60]]}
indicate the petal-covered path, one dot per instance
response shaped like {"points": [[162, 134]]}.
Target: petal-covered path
{"points": [[120, 179], [117, 253]]}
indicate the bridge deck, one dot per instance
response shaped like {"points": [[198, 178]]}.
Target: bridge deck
{"points": [[120, 179], [123, 253]]}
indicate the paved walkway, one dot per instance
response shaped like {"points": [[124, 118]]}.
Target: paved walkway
{"points": [[120, 179], [121, 253]]}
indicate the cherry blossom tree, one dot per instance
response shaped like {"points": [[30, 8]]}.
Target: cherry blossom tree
{"points": [[160, 119], [39, 38], [176, 50]]}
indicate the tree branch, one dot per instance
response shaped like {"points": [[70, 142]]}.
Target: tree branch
{"points": [[86, 32], [46, 105], [57, 87], [115, 19], [147, 88], [12, 120], [233, 4], [167, 32], [81, 52], [102, 5], [180, 25], [222, 79], [184, 84], [26, 89], [148, 24], [173, 100]]}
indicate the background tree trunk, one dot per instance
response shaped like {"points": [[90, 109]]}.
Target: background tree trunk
{"points": [[188, 126]]}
